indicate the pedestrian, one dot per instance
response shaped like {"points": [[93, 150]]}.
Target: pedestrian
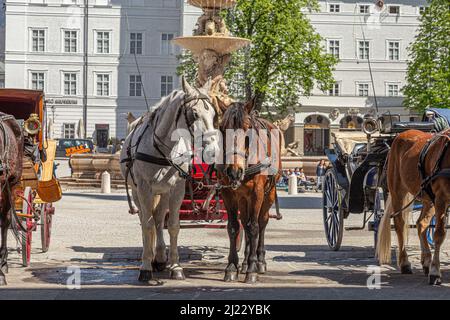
{"points": [[320, 172]]}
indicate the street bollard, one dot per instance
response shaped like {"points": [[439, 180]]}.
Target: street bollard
{"points": [[292, 189], [106, 182]]}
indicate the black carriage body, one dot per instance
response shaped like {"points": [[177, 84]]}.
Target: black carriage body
{"points": [[358, 173]]}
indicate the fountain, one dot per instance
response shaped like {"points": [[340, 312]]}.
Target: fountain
{"points": [[212, 46]]}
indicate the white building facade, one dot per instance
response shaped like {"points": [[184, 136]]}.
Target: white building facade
{"points": [[363, 37], [126, 44], [45, 49]]}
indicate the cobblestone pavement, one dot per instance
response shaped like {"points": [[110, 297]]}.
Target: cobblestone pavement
{"points": [[95, 233]]}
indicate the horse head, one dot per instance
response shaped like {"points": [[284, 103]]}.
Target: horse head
{"points": [[236, 128]]}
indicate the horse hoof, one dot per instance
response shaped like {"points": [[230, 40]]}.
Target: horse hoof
{"points": [[177, 274], [251, 277], [426, 270], [2, 281], [159, 266], [230, 276], [145, 275], [434, 280], [244, 268], [262, 268], [406, 269]]}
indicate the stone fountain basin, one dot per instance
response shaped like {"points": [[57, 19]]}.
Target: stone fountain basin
{"points": [[219, 44], [213, 3]]}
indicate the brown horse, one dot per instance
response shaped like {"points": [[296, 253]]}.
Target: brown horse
{"points": [[405, 181], [249, 184], [11, 151]]}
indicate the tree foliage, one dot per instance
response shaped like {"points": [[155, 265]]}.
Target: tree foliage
{"points": [[286, 59], [428, 75]]}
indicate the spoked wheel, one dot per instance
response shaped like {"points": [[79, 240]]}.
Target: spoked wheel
{"points": [[378, 212], [28, 225], [333, 216], [46, 225]]}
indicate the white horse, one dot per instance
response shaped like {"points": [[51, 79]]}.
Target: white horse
{"points": [[158, 188]]}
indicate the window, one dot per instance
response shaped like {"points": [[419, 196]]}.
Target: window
{"points": [[393, 50], [37, 80], [135, 86], [136, 43], [103, 41], [335, 90], [335, 8], [166, 43], [422, 10], [333, 47], [363, 50], [38, 40], [363, 89], [393, 90], [70, 84], [103, 84], [70, 41], [166, 85], [69, 130], [394, 9], [364, 9]]}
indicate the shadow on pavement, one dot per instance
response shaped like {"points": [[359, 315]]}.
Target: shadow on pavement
{"points": [[114, 197]]}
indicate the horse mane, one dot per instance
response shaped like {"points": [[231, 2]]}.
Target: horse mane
{"points": [[235, 117]]}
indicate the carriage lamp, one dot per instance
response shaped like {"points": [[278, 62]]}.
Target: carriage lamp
{"points": [[370, 126], [32, 125]]}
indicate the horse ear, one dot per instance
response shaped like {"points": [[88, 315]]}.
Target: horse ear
{"points": [[207, 86], [130, 117], [250, 104], [187, 87]]}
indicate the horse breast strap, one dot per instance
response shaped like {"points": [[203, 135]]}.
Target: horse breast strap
{"points": [[437, 171]]}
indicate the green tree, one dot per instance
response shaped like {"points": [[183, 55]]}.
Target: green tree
{"points": [[428, 75], [286, 59]]}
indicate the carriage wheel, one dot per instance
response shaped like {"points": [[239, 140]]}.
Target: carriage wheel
{"points": [[333, 217], [46, 226], [28, 224], [378, 212]]}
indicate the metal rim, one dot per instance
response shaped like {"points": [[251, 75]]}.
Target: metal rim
{"points": [[333, 217], [28, 224]]}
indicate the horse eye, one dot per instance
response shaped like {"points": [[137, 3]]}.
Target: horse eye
{"points": [[206, 106], [195, 114]]}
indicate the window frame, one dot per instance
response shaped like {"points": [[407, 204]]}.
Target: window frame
{"points": [[388, 42], [44, 73], [332, 92], [71, 73], [96, 32], [69, 129], [44, 30], [390, 83], [339, 47], [391, 6], [358, 46], [135, 83], [366, 6], [103, 74], [166, 84], [77, 38], [170, 47], [358, 84], [141, 40], [335, 6]]}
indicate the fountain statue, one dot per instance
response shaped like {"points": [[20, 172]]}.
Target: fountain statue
{"points": [[212, 45]]}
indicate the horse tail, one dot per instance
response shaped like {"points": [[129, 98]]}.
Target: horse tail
{"points": [[383, 250]]}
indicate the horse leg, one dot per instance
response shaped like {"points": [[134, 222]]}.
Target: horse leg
{"points": [[252, 228], [439, 236], [160, 262], [148, 233], [232, 269], [402, 229], [246, 253], [176, 271], [5, 222], [422, 224], [263, 221]]}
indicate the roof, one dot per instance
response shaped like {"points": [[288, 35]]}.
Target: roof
{"points": [[20, 102]]}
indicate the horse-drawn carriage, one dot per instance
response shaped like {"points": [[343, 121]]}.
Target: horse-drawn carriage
{"points": [[355, 182], [38, 187]]}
